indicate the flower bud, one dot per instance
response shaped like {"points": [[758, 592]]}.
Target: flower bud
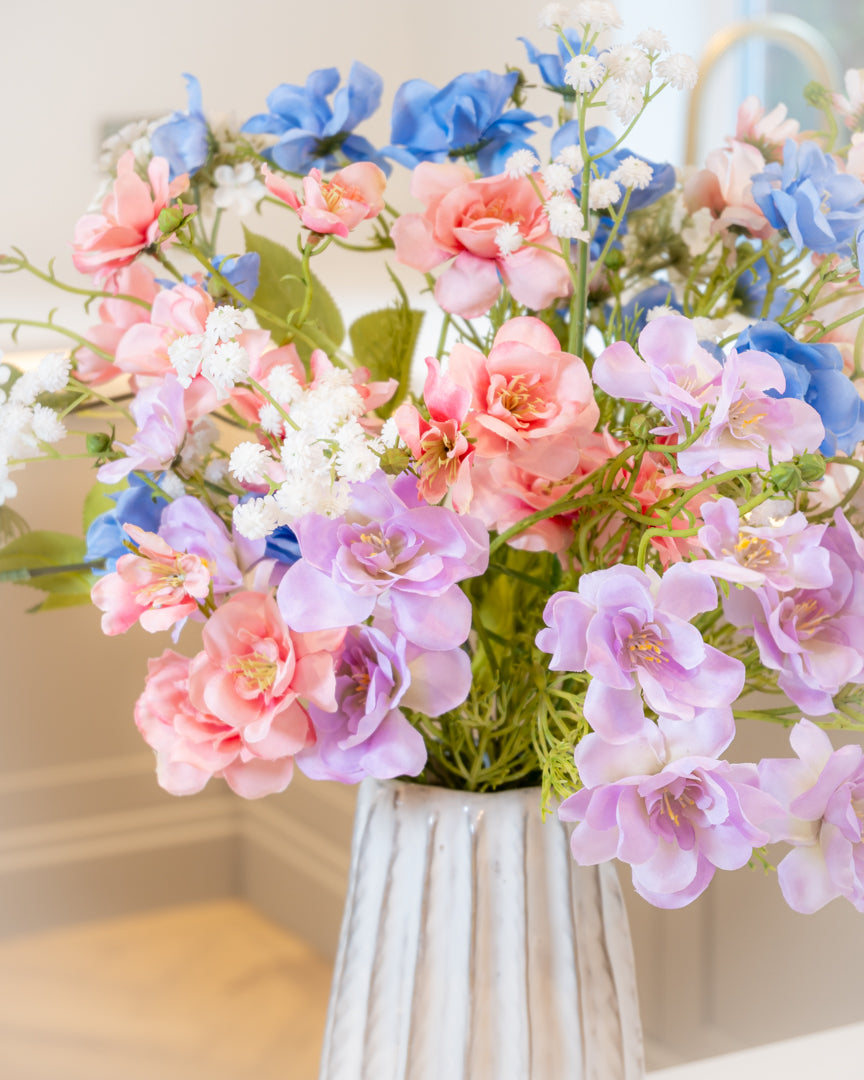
{"points": [[812, 467], [640, 426], [786, 476], [98, 443], [170, 219]]}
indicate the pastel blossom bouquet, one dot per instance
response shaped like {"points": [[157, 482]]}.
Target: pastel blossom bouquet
{"points": [[616, 509]]}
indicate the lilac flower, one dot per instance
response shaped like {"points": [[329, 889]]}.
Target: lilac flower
{"points": [[138, 504], [184, 138], [630, 631], [666, 805], [819, 206], [189, 526], [812, 636], [814, 373], [674, 374], [746, 423], [369, 735], [467, 117], [311, 132], [786, 556], [823, 794], [390, 547], [160, 417]]}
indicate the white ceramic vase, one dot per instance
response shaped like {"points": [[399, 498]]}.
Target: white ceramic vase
{"points": [[473, 948]]}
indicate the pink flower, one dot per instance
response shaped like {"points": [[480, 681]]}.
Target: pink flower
{"points": [[529, 399], [177, 312], [157, 587], [116, 316], [725, 187], [192, 746], [851, 105], [462, 217], [254, 669], [766, 131], [129, 222], [337, 205]]}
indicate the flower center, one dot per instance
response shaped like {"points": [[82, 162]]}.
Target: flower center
{"points": [[742, 417], [257, 671], [333, 196], [521, 400], [754, 552], [644, 648], [808, 616]]}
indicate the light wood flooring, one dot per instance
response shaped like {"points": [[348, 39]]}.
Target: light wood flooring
{"points": [[208, 991]]}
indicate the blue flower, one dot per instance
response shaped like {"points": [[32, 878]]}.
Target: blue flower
{"points": [[466, 118], [138, 505], [242, 271], [599, 142], [820, 207], [312, 132], [184, 139], [751, 289], [552, 65], [814, 373], [282, 545]]}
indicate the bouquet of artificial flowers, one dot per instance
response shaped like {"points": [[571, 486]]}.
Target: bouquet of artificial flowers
{"points": [[566, 549]]}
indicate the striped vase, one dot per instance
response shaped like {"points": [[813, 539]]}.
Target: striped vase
{"points": [[473, 948]]}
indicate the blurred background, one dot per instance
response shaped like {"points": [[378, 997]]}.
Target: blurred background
{"points": [[85, 834]]}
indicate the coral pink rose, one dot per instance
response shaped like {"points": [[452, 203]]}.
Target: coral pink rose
{"points": [[129, 222], [176, 312], [529, 399], [116, 316], [725, 186], [157, 587], [462, 216], [193, 746], [766, 131], [337, 205]]}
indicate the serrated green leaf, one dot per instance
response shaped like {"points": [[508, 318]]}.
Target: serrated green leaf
{"points": [[96, 501], [42, 549], [384, 342], [281, 291]]}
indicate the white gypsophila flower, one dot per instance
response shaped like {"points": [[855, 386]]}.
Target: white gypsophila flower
{"points": [[521, 163], [602, 192], [237, 188], [571, 156], [47, 425], [634, 173], [350, 434], [659, 311], [26, 389], [256, 518], [625, 101], [356, 462], [172, 485], [679, 70], [216, 470], [598, 14], [54, 372], [223, 323], [710, 329], [250, 462], [198, 442], [186, 354], [282, 385], [584, 72], [389, 436], [270, 419], [301, 452], [552, 16], [565, 218], [557, 177], [508, 238], [225, 366], [697, 231], [629, 64], [334, 500], [133, 136], [15, 429], [652, 41]]}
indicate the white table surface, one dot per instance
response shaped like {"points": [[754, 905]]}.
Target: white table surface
{"points": [[828, 1055]]}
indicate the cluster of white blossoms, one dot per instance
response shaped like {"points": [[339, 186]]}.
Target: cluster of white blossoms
{"points": [[318, 448], [27, 425], [215, 354], [238, 188]]}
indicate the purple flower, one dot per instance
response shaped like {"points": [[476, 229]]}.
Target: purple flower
{"points": [[160, 417], [787, 555], [369, 735], [812, 636], [390, 548], [822, 793], [188, 525], [630, 631], [746, 422], [666, 805]]}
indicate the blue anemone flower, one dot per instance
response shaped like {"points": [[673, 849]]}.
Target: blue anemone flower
{"points": [[552, 65], [184, 138]]}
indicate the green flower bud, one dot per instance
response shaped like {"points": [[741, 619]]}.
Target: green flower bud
{"points": [[812, 467], [170, 219], [98, 443], [395, 460], [640, 425], [786, 476]]}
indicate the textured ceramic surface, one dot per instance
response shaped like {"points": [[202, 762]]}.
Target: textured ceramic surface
{"points": [[473, 948]]}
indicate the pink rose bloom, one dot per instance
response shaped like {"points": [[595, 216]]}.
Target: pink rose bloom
{"points": [[177, 312], [654, 482], [192, 746], [157, 587], [851, 105], [129, 222], [461, 219], [529, 400], [766, 131], [254, 669], [337, 205], [725, 187], [116, 316]]}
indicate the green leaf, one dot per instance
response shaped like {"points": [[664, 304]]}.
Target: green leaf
{"points": [[59, 600], [42, 548], [97, 502], [384, 342], [281, 291]]}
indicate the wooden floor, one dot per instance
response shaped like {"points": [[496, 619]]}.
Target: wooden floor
{"points": [[202, 992]]}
